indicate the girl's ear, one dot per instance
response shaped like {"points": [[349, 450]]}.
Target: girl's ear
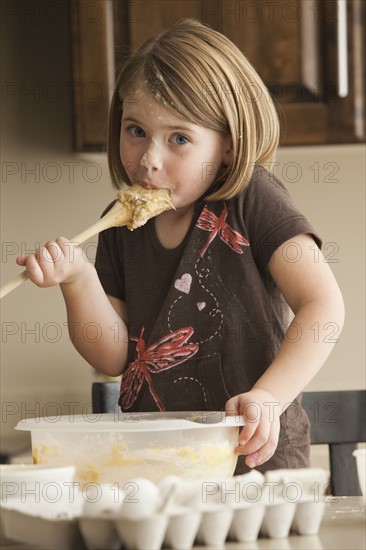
{"points": [[228, 152]]}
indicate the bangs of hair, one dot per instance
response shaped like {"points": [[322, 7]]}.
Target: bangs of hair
{"points": [[201, 76]]}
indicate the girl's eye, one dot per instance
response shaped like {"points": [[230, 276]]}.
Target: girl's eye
{"points": [[136, 131], [179, 139]]}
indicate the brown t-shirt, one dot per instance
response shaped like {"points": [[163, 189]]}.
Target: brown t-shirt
{"points": [[205, 318]]}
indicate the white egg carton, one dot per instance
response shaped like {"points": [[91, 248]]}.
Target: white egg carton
{"points": [[177, 513]]}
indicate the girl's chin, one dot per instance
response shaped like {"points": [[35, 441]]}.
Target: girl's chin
{"points": [[184, 210]]}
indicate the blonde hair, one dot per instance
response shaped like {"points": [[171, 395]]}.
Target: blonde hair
{"points": [[200, 75]]}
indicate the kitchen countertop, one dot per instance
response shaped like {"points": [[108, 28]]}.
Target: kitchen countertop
{"points": [[343, 526]]}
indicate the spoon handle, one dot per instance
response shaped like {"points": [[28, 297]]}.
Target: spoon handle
{"points": [[118, 215], [13, 284]]}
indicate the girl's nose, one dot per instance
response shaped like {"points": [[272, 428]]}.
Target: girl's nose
{"points": [[152, 159]]}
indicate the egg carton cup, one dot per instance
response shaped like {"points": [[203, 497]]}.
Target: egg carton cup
{"points": [[53, 528], [246, 523], [215, 525], [277, 520], [143, 523], [297, 484], [18, 480], [97, 518], [294, 501], [234, 492], [99, 534], [165, 522], [147, 534], [32, 481], [182, 528]]}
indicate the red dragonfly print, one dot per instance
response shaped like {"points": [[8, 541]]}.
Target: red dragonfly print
{"points": [[169, 351], [208, 221]]}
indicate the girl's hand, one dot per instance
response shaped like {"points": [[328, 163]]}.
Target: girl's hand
{"points": [[259, 438], [56, 262]]}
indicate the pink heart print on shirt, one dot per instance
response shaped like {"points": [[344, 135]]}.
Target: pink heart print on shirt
{"points": [[184, 283], [201, 305]]}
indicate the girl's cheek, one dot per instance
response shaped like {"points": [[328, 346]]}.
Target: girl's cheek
{"points": [[128, 162], [131, 169]]}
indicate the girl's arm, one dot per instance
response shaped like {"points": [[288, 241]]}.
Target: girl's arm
{"points": [[97, 324], [310, 289], [96, 327]]}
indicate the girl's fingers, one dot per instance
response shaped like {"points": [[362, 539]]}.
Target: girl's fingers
{"points": [[262, 445], [20, 260], [259, 437], [42, 265], [34, 271], [54, 252], [257, 440], [252, 414], [232, 406], [263, 454], [43, 256], [247, 432], [48, 265], [65, 245], [68, 249]]}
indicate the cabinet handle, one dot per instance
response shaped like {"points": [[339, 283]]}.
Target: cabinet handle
{"points": [[342, 54]]}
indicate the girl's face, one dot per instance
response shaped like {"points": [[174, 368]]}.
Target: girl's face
{"points": [[160, 150]]}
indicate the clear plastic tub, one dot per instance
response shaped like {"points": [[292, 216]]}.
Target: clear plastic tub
{"points": [[113, 448]]}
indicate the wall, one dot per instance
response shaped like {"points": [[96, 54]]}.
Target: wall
{"points": [[331, 192], [48, 190]]}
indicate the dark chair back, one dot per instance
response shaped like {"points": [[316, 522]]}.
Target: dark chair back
{"points": [[337, 419]]}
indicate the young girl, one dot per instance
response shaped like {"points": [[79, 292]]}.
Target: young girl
{"points": [[193, 306]]}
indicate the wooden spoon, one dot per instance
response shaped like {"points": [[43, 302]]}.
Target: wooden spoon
{"points": [[133, 207]]}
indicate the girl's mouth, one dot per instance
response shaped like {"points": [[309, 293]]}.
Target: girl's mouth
{"points": [[148, 185]]}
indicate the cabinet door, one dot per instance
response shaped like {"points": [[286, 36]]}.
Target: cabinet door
{"points": [[93, 71], [309, 53]]}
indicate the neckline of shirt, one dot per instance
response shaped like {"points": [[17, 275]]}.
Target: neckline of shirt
{"points": [[177, 249]]}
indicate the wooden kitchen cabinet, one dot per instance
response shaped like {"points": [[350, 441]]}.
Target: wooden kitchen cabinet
{"points": [[308, 52]]}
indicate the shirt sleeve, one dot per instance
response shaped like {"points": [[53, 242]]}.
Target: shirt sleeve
{"points": [[109, 262], [271, 217]]}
